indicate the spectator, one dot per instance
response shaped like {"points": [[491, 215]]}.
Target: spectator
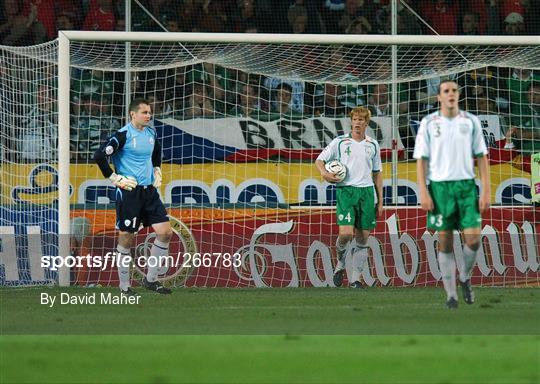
{"points": [[150, 81], [246, 19], [470, 23], [247, 104], [474, 94], [511, 6], [24, 30], [331, 12], [70, 8], [441, 15], [313, 21], [161, 108], [488, 11], [330, 104], [514, 24], [476, 81], [379, 105], [518, 84], [214, 16], [407, 22], [11, 10], [39, 139], [297, 102], [485, 105], [283, 96], [221, 83], [526, 137], [100, 16], [298, 18], [178, 91], [335, 5], [199, 104], [249, 78], [94, 81], [163, 11], [42, 11], [428, 89], [382, 72], [355, 9], [383, 21], [190, 16], [340, 69], [172, 26], [64, 23], [359, 26], [378, 100], [14, 99], [528, 23], [282, 104], [93, 123]]}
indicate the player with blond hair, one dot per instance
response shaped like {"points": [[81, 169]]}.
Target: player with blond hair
{"points": [[356, 208]]}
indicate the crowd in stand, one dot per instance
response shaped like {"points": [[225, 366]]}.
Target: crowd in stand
{"points": [[28, 22], [209, 91]]}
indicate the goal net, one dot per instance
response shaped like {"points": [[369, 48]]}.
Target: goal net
{"points": [[241, 119]]}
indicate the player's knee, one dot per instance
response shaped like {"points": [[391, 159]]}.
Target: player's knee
{"points": [[445, 245], [472, 239], [445, 249], [125, 239], [165, 236], [345, 238], [362, 237], [446, 241], [473, 244], [163, 232], [361, 240]]}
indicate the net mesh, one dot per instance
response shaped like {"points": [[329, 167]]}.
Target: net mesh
{"points": [[240, 126], [307, 62]]}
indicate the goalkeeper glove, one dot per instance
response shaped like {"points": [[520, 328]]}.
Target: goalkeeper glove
{"points": [[123, 182], [157, 177]]}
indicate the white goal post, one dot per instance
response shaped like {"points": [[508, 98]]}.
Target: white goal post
{"points": [[512, 55]]}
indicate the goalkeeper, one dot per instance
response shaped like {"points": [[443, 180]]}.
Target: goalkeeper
{"points": [[136, 155], [356, 209]]}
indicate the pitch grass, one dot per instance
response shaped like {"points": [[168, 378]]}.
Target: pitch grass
{"points": [[269, 359], [378, 335], [315, 311]]}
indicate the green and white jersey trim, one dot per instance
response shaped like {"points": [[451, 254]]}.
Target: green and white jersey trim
{"points": [[361, 158], [450, 145]]}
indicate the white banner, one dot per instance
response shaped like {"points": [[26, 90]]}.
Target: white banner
{"points": [[313, 133], [491, 128]]}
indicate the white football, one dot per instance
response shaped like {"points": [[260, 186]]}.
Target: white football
{"points": [[337, 168]]}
